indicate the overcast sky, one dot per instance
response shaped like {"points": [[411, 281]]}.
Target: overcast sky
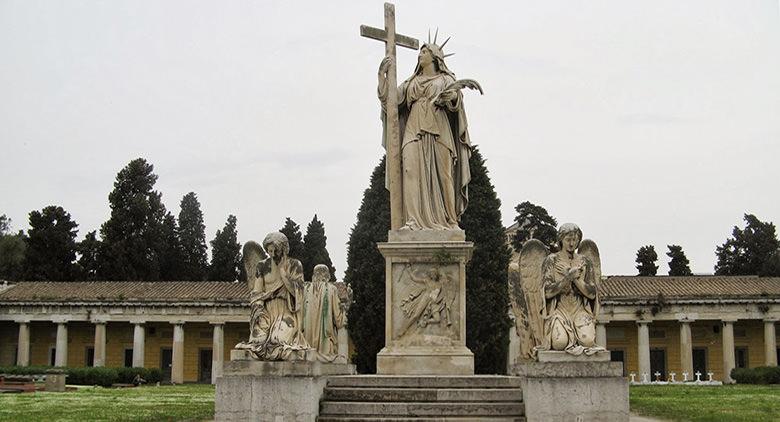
{"points": [[645, 122]]}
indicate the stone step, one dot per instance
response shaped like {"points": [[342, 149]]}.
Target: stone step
{"points": [[408, 409], [360, 418], [381, 394], [405, 381]]}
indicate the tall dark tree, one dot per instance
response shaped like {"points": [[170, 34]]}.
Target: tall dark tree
{"points": [[487, 297], [772, 266], [678, 264], [88, 250], [12, 251], [293, 232], [192, 237], [315, 249], [51, 245], [534, 222], [366, 272], [225, 253], [132, 236], [646, 258], [749, 250], [171, 254]]}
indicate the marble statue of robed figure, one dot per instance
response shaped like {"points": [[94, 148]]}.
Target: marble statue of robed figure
{"points": [[435, 144], [556, 295], [276, 301]]}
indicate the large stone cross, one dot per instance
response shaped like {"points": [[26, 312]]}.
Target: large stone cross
{"points": [[392, 128]]}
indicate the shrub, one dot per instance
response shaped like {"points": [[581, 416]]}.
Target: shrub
{"points": [[104, 377], [757, 375]]}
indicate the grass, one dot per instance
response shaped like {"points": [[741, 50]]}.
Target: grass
{"points": [[737, 403], [165, 403]]}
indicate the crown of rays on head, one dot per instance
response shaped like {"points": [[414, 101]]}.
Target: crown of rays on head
{"points": [[441, 47]]}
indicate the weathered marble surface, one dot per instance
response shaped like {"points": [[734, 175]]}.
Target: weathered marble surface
{"points": [[425, 307], [555, 296]]}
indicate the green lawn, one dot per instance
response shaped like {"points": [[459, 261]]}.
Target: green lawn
{"points": [[165, 403], [733, 403]]}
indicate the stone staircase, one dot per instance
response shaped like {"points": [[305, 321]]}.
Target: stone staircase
{"points": [[422, 398]]}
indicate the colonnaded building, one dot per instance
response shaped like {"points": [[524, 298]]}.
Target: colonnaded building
{"points": [[652, 324]]}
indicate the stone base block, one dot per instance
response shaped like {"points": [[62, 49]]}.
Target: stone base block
{"points": [[251, 390], [574, 391], [425, 361], [55, 381], [558, 356]]}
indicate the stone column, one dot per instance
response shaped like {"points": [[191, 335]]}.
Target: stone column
{"points": [[217, 351], [770, 342], [601, 334], [139, 343], [61, 352], [686, 348], [100, 344], [727, 332], [177, 366], [643, 348], [23, 351]]}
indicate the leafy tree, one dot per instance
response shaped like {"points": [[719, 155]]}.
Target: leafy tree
{"points": [[366, 272], [678, 264], [88, 250], [226, 253], [171, 254], [772, 266], [51, 245], [192, 237], [534, 222], [748, 250], [132, 236], [12, 251], [293, 232], [487, 297], [314, 249], [646, 258], [5, 225]]}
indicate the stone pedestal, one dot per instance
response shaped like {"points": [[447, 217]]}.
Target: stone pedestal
{"points": [[425, 303], [252, 390], [576, 389], [55, 380]]}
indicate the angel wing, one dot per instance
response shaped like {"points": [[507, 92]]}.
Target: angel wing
{"points": [[253, 255], [530, 263], [589, 250], [517, 298]]}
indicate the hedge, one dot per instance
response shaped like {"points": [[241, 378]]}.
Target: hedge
{"points": [[91, 376], [757, 375]]}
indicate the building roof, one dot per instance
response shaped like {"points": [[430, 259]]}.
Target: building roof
{"points": [[127, 292], [634, 289]]}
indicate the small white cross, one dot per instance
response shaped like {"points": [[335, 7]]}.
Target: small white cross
{"points": [[685, 376], [672, 375], [709, 374], [698, 376], [657, 376], [644, 377], [633, 377]]}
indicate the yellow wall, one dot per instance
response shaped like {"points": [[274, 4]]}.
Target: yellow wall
{"points": [[119, 336], [704, 336]]}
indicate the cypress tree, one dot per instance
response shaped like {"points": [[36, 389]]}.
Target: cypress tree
{"points": [[88, 250], [678, 264], [366, 272], [51, 245], [225, 253], [293, 232], [487, 296], [646, 258], [132, 236], [192, 237], [171, 255], [315, 249]]}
